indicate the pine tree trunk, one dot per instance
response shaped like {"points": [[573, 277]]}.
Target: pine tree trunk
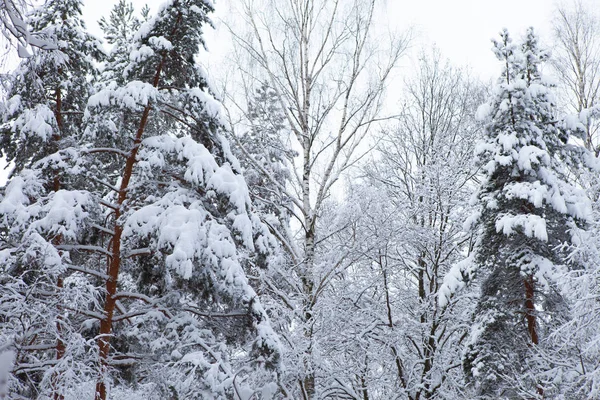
{"points": [[530, 310], [114, 264], [115, 260], [531, 318]]}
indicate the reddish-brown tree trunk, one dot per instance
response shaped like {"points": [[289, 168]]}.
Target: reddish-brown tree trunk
{"points": [[531, 318], [530, 310], [114, 261]]}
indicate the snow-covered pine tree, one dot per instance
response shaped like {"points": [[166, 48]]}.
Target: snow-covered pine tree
{"points": [[122, 24], [48, 91], [119, 31], [179, 220], [42, 119], [528, 212], [153, 222]]}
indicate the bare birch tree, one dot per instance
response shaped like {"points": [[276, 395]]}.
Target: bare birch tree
{"points": [[329, 76]]}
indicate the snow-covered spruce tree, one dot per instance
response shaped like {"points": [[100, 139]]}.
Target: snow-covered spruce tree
{"points": [[41, 120], [528, 212], [152, 225]]}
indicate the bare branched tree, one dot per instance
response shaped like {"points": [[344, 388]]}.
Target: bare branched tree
{"points": [[577, 61], [425, 170], [329, 74]]}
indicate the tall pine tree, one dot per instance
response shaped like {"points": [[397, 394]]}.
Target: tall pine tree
{"points": [[150, 229]]}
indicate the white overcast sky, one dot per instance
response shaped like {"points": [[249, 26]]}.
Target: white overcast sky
{"points": [[461, 29]]}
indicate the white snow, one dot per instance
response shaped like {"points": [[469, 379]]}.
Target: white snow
{"points": [[483, 112], [507, 140], [529, 155], [64, 214], [160, 43], [141, 54], [38, 121], [233, 185], [7, 358], [454, 280], [534, 192], [134, 95], [15, 206], [211, 106], [533, 226]]}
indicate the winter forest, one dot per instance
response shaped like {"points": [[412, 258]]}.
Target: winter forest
{"points": [[287, 231]]}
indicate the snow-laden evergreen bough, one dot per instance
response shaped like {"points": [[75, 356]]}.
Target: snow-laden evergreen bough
{"points": [[127, 226], [528, 214], [15, 28]]}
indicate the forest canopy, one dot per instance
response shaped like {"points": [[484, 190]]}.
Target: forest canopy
{"points": [[291, 232]]}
